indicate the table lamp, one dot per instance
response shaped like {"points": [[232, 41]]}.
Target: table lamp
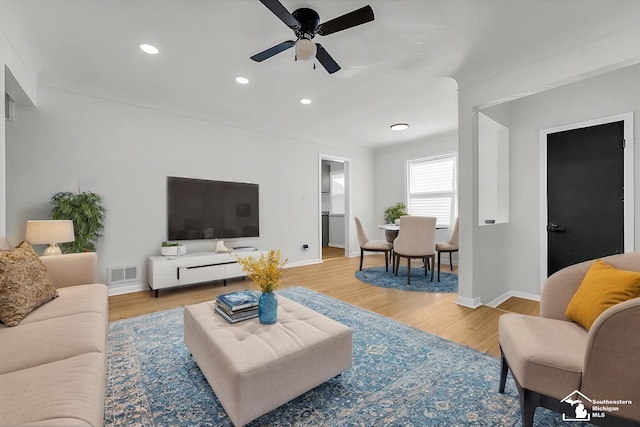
{"points": [[50, 232]]}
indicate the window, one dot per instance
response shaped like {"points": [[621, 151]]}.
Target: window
{"points": [[431, 188]]}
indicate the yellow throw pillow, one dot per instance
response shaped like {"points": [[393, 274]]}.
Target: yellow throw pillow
{"points": [[602, 287], [25, 284]]}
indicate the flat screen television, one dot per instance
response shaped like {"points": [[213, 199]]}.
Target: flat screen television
{"points": [[205, 209]]}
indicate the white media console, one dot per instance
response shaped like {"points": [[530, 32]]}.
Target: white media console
{"points": [[168, 271]]}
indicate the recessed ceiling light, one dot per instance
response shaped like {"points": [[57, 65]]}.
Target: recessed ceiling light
{"points": [[397, 127], [242, 80], [305, 101], [147, 48]]}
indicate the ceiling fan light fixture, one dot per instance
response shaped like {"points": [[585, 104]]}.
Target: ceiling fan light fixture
{"points": [[305, 50], [399, 127]]}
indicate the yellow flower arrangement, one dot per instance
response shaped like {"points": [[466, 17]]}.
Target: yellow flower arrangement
{"points": [[266, 271]]}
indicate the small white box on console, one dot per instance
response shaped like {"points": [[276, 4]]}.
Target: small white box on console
{"points": [[173, 250]]}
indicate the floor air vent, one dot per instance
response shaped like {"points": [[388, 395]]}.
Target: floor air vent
{"points": [[122, 274]]}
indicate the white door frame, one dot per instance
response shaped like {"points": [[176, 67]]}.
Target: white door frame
{"points": [[347, 200], [629, 207]]}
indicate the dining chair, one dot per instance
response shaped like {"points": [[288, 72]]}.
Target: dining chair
{"points": [[390, 236], [416, 240], [372, 245], [450, 246]]}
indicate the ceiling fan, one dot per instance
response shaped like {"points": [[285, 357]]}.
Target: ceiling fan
{"points": [[305, 23]]}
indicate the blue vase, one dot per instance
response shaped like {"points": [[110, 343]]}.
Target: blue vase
{"points": [[268, 308]]}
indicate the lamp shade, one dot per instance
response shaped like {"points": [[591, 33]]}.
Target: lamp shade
{"points": [[305, 49], [49, 231]]}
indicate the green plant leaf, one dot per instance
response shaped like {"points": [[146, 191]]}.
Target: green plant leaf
{"points": [[87, 212], [395, 212]]}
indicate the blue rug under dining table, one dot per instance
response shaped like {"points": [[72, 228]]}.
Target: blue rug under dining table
{"points": [[378, 276]]}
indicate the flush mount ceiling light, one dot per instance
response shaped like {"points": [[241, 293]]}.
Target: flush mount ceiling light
{"points": [[242, 80], [305, 101], [150, 49], [398, 127]]}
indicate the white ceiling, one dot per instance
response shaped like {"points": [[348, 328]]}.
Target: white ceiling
{"points": [[405, 66]]}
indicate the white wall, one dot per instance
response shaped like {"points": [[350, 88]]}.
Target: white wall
{"points": [[484, 251], [16, 81], [125, 153], [606, 95], [391, 180]]}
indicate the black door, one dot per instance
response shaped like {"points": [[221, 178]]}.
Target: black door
{"points": [[585, 184]]}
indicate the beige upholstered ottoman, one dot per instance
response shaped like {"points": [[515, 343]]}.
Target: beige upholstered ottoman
{"points": [[254, 368]]}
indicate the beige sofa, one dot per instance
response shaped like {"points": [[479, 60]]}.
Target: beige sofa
{"points": [[53, 364]]}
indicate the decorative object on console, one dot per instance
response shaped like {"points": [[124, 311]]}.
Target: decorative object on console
{"points": [[266, 271], [173, 249], [87, 213], [393, 213], [221, 248], [49, 232]]}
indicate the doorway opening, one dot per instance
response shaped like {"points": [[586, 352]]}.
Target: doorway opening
{"points": [[334, 207], [572, 216]]}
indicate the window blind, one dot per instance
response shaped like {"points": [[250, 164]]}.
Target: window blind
{"points": [[432, 188]]}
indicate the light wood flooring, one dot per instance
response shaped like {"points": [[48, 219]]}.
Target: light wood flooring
{"points": [[432, 312]]}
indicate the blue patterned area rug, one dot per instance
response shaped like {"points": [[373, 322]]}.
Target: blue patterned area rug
{"points": [[419, 282], [401, 376]]}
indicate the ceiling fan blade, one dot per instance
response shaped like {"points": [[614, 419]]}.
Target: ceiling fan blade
{"points": [[326, 60], [351, 19], [266, 54], [281, 12]]}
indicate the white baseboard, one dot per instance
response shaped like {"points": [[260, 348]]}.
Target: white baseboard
{"points": [[336, 245], [301, 263], [127, 288], [502, 298], [469, 302]]}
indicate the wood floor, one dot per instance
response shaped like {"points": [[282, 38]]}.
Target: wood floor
{"points": [[434, 313]]}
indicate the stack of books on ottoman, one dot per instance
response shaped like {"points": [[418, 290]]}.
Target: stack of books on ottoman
{"points": [[237, 306]]}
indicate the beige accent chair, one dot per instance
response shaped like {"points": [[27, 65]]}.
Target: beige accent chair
{"points": [[390, 236], [550, 356], [416, 239], [450, 246], [372, 245]]}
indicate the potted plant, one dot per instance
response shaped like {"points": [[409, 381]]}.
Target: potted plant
{"points": [[266, 271], [172, 249], [394, 212], [87, 213]]}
